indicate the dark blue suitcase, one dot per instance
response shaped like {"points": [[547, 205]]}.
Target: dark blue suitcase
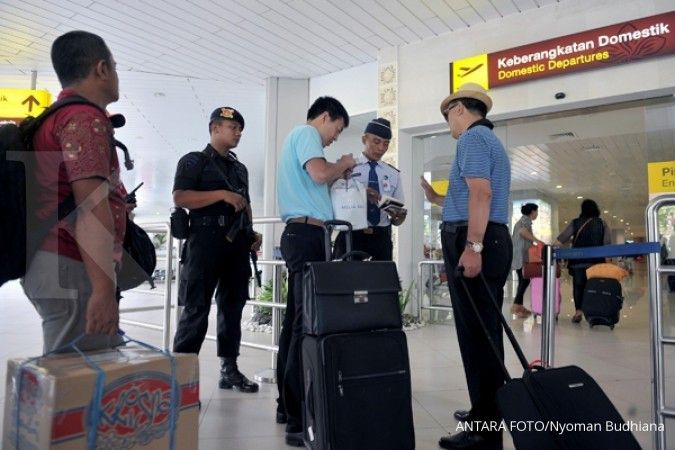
{"points": [[603, 301], [555, 408]]}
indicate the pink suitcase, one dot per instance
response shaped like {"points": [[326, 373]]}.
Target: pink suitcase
{"points": [[536, 295]]}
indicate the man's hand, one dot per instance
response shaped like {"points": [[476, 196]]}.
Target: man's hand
{"points": [[373, 195], [472, 263], [429, 192], [346, 161], [102, 314], [397, 216], [257, 243], [234, 199]]}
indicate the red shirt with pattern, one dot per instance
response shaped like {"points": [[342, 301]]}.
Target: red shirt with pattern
{"points": [[76, 143]]}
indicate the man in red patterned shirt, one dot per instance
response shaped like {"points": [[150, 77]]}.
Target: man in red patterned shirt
{"points": [[71, 280]]}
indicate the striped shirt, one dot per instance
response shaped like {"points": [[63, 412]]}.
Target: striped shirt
{"points": [[479, 155]]}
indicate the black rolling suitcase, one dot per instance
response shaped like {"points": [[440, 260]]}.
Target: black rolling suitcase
{"points": [[357, 391], [347, 295], [602, 302], [356, 372], [557, 408]]}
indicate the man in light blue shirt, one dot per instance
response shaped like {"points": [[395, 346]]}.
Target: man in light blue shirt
{"points": [[303, 179]]}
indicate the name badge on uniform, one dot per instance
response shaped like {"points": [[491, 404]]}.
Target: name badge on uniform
{"points": [[386, 185]]}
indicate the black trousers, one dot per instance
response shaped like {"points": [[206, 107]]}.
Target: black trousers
{"points": [[483, 372], [579, 281], [377, 243], [300, 243], [210, 263], [523, 283]]}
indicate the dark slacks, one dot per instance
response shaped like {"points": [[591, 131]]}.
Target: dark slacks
{"points": [[483, 372], [211, 262], [579, 281], [376, 242], [300, 243], [523, 283]]}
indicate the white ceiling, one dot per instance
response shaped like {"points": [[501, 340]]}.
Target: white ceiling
{"points": [[238, 41], [180, 59]]}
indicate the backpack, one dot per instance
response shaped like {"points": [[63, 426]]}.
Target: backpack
{"points": [[139, 259], [588, 233], [16, 142], [19, 237]]}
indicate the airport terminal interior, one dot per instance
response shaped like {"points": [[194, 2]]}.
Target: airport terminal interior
{"points": [[177, 62]]}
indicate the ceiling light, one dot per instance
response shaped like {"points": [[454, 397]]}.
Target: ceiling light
{"points": [[580, 197], [433, 137], [606, 211], [614, 217], [534, 172], [559, 186], [565, 221], [627, 223], [620, 220]]}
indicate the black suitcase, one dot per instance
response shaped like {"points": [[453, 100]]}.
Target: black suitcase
{"points": [[556, 408], [347, 295], [602, 302], [357, 392]]}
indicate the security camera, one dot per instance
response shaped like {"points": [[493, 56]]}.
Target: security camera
{"points": [[559, 95]]}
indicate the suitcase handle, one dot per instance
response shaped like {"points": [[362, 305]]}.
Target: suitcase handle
{"points": [[355, 255], [459, 274], [329, 226]]}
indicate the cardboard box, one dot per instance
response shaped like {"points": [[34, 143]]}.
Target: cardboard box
{"points": [[56, 404]]}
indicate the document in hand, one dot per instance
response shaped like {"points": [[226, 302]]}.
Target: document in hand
{"points": [[391, 205]]}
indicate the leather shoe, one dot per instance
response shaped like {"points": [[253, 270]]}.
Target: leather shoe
{"points": [[462, 415], [470, 440], [281, 417], [231, 378], [295, 439]]}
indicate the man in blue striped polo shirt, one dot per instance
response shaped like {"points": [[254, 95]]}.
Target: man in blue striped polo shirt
{"points": [[474, 236]]}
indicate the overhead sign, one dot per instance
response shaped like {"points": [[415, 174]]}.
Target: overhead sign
{"points": [[631, 41], [661, 178], [21, 103]]}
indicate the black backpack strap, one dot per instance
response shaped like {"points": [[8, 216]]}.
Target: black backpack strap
{"points": [[33, 124]]}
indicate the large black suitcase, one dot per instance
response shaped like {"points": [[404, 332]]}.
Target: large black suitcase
{"points": [[556, 408], [357, 392], [348, 295], [603, 301]]}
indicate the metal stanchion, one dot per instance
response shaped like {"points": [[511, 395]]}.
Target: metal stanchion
{"points": [[420, 287], [269, 375], [548, 308]]}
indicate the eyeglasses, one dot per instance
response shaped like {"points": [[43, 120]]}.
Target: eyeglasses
{"points": [[450, 106]]}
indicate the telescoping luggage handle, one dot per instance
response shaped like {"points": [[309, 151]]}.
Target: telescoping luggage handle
{"points": [[350, 254], [459, 274]]}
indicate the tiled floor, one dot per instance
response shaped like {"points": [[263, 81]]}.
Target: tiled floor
{"points": [[619, 360]]}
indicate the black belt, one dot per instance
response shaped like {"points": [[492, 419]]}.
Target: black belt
{"points": [[453, 227], [210, 221]]}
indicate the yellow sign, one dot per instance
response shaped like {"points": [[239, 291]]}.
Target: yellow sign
{"points": [[20, 103], [440, 186], [470, 70], [661, 177]]}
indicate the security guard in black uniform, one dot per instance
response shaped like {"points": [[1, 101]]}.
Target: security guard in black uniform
{"points": [[213, 186], [380, 179]]}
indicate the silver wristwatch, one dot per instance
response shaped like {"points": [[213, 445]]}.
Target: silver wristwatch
{"points": [[477, 247]]}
